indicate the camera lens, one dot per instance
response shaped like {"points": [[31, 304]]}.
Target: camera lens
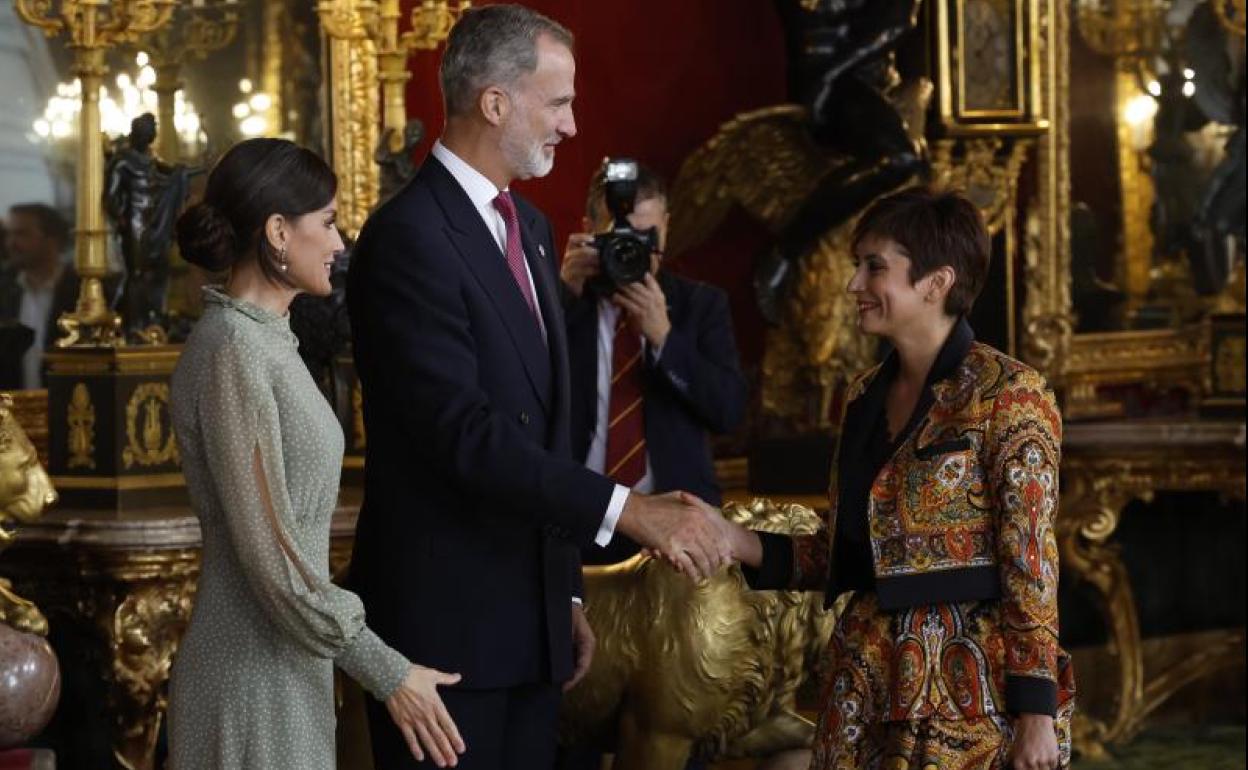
{"points": [[626, 259]]}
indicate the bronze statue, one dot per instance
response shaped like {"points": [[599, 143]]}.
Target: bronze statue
{"points": [[143, 195], [30, 679], [840, 69], [394, 155], [1218, 225], [708, 670]]}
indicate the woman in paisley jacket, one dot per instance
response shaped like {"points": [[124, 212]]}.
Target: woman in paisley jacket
{"points": [[942, 503]]}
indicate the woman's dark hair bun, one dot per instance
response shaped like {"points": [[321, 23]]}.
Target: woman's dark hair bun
{"points": [[206, 238]]}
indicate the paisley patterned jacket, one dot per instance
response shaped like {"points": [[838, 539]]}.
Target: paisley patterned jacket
{"points": [[963, 513]]}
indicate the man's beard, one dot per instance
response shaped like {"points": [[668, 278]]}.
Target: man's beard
{"points": [[527, 159]]}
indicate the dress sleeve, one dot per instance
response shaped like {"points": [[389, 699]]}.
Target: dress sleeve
{"points": [[790, 563], [242, 439], [1023, 453]]}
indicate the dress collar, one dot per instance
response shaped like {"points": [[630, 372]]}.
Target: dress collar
{"points": [[215, 295]]}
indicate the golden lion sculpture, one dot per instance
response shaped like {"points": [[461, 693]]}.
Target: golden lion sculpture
{"points": [[710, 669], [25, 490]]}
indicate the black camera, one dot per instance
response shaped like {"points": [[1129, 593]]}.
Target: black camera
{"points": [[623, 252]]}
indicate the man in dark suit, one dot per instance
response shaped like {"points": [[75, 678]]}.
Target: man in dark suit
{"points": [[37, 285], [467, 548], [655, 368]]}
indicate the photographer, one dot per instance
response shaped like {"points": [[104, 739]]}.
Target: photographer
{"points": [[654, 364]]}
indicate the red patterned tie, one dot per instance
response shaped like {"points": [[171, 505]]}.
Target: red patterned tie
{"points": [[626, 426], [515, 250]]}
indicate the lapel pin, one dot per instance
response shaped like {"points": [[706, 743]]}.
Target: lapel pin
{"points": [[541, 250]]}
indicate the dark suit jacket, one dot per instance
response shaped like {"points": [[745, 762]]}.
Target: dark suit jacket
{"points": [[694, 389], [64, 299], [466, 552]]}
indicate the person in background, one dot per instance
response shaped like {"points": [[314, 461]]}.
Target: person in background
{"points": [[654, 365], [37, 284]]}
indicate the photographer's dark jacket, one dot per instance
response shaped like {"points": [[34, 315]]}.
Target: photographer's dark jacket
{"points": [[693, 389], [64, 299], [957, 514]]}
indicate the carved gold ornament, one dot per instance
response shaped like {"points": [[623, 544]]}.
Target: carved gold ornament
{"points": [[1228, 365], [985, 170], [1231, 14], [355, 113], [81, 422], [1047, 322], [25, 490], [146, 629], [147, 440], [1104, 467]]}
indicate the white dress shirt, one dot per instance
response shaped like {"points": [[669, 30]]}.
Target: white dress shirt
{"points": [[596, 459], [482, 192], [35, 307]]}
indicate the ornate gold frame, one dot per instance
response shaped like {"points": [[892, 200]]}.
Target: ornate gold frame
{"points": [[1028, 116], [1046, 314]]}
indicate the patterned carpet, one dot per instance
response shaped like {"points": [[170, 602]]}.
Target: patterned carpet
{"points": [[1178, 748]]}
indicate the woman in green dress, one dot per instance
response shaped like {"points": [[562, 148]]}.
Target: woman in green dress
{"points": [[252, 684]]}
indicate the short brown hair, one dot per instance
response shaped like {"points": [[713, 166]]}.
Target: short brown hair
{"points": [[937, 228], [649, 187]]}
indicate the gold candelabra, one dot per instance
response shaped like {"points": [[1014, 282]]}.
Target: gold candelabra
{"points": [[195, 31], [92, 26], [431, 22]]}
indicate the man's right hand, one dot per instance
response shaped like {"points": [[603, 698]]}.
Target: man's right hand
{"points": [[680, 527], [580, 262]]}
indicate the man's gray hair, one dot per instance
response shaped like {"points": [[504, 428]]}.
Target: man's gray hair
{"points": [[492, 45]]}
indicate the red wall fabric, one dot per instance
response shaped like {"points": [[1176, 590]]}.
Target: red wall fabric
{"points": [[655, 79]]}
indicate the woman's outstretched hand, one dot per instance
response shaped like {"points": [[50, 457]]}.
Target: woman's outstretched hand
{"points": [[421, 716]]}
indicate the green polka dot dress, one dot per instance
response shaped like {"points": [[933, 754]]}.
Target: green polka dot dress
{"points": [[252, 682]]}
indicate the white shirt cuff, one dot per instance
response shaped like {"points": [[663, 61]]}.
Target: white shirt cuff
{"points": [[606, 530], [578, 600]]}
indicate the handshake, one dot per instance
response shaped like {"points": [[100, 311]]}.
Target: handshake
{"points": [[687, 533]]}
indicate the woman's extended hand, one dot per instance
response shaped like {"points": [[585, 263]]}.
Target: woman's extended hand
{"points": [[421, 716], [1035, 743]]}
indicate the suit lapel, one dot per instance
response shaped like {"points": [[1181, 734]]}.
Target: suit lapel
{"points": [[542, 269], [480, 252]]}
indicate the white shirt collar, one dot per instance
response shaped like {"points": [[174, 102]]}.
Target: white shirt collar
{"points": [[481, 191], [48, 288]]}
